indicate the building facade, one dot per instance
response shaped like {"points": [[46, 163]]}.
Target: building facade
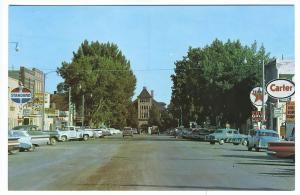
{"points": [[31, 79], [283, 122], [14, 110], [144, 102]]}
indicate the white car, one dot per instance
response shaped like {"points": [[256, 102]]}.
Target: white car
{"points": [[24, 140], [112, 131]]}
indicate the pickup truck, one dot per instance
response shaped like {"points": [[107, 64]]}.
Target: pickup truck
{"points": [[225, 135], [71, 133], [260, 138]]}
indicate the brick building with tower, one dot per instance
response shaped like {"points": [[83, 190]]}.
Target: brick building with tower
{"points": [[144, 102]]}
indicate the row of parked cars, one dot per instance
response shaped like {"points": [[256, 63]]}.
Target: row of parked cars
{"points": [[260, 139], [27, 137]]}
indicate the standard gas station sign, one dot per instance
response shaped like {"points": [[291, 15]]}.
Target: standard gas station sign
{"points": [[20, 95]]}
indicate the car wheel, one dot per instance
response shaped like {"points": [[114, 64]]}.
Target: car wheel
{"points": [[212, 143], [85, 137], [256, 149], [64, 138], [12, 151], [52, 141], [236, 144], [221, 142], [249, 149], [32, 148]]}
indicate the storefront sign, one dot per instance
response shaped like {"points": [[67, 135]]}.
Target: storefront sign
{"points": [[277, 112], [290, 111], [20, 95], [280, 88], [256, 96]]}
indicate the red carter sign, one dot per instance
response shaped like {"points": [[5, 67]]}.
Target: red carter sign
{"points": [[280, 88]]}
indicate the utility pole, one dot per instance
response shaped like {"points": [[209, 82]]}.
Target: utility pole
{"points": [[180, 116], [82, 114], [43, 113], [69, 119]]}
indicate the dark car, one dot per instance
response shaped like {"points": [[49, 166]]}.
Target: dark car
{"points": [[127, 131], [199, 134]]}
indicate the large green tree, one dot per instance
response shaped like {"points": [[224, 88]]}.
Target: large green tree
{"points": [[214, 82], [101, 73]]}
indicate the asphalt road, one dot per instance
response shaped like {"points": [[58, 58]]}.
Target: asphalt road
{"points": [[147, 163]]}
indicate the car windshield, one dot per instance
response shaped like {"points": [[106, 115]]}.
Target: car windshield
{"points": [[18, 128], [19, 134], [10, 134], [268, 134], [235, 132]]}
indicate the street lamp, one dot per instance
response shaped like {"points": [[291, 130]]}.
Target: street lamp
{"points": [[263, 93], [16, 45]]}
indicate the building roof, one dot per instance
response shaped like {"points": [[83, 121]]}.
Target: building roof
{"points": [[144, 94], [160, 105], [285, 66]]}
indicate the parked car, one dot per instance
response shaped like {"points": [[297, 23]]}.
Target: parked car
{"points": [[155, 130], [259, 139], [98, 133], [282, 149], [135, 131], [127, 131], [105, 131], [223, 135], [179, 131], [239, 139], [24, 139], [187, 133], [36, 133], [71, 133], [13, 143], [200, 134], [26, 128]]}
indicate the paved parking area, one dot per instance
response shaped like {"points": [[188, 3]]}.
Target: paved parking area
{"points": [[147, 163]]}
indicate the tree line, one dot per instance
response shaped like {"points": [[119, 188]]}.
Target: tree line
{"points": [[210, 84]]}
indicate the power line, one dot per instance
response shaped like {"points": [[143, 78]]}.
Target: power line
{"points": [[150, 70]]}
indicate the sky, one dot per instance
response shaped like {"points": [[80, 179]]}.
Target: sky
{"points": [[152, 38]]}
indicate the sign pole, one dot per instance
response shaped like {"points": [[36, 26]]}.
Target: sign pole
{"points": [[43, 113], [263, 92]]}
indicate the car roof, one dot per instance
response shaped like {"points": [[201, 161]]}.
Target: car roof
{"points": [[266, 131], [227, 129]]}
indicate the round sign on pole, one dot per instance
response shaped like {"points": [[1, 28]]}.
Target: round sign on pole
{"points": [[280, 88], [256, 97], [20, 95]]}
